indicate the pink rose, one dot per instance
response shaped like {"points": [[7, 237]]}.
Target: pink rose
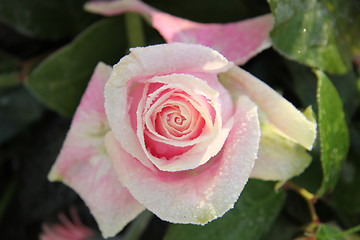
{"points": [[179, 135]]}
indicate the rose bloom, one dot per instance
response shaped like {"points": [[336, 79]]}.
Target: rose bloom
{"points": [[176, 130]]}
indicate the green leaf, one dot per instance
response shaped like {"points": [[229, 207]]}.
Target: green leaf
{"points": [[254, 212], [352, 230], [17, 109], [138, 226], [334, 135], [8, 80], [60, 80], [45, 19], [318, 33], [40, 145], [8, 63], [212, 11], [305, 87], [326, 232], [304, 83], [346, 86], [284, 228], [346, 196], [9, 71]]}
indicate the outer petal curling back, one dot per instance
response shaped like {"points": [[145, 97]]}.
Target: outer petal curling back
{"points": [[205, 148], [84, 165], [200, 195], [238, 41], [281, 113]]}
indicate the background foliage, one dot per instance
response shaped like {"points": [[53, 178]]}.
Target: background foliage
{"points": [[48, 50]]}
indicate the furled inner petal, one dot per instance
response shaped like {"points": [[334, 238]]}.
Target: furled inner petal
{"points": [[186, 107], [182, 121], [177, 120]]}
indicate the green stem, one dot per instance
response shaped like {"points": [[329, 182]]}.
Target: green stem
{"points": [[309, 198], [134, 30], [352, 230]]}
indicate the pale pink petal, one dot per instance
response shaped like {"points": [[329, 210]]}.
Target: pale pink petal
{"points": [[84, 165], [200, 195], [116, 7], [281, 113], [143, 64], [238, 41]]}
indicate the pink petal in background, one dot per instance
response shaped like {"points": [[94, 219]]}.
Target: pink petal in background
{"points": [[67, 229], [84, 165], [238, 41]]}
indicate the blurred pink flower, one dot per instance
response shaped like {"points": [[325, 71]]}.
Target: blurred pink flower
{"points": [[67, 229]]}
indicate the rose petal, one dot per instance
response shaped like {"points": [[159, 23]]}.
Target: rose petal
{"points": [[148, 62], [281, 113], [111, 8], [206, 145], [238, 42], [279, 159], [84, 165], [200, 195]]}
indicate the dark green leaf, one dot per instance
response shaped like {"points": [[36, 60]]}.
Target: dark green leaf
{"points": [[311, 178], [61, 79], [346, 195], [138, 226], [39, 147], [318, 33], [346, 86], [8, 63], [352, 230], [334, 135], [8, 80], [45, 19], [326, 232], [284, 228], [212, 10], [304, 83], [9, 71], [254, 212], [17, 109], [305, 86]]}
